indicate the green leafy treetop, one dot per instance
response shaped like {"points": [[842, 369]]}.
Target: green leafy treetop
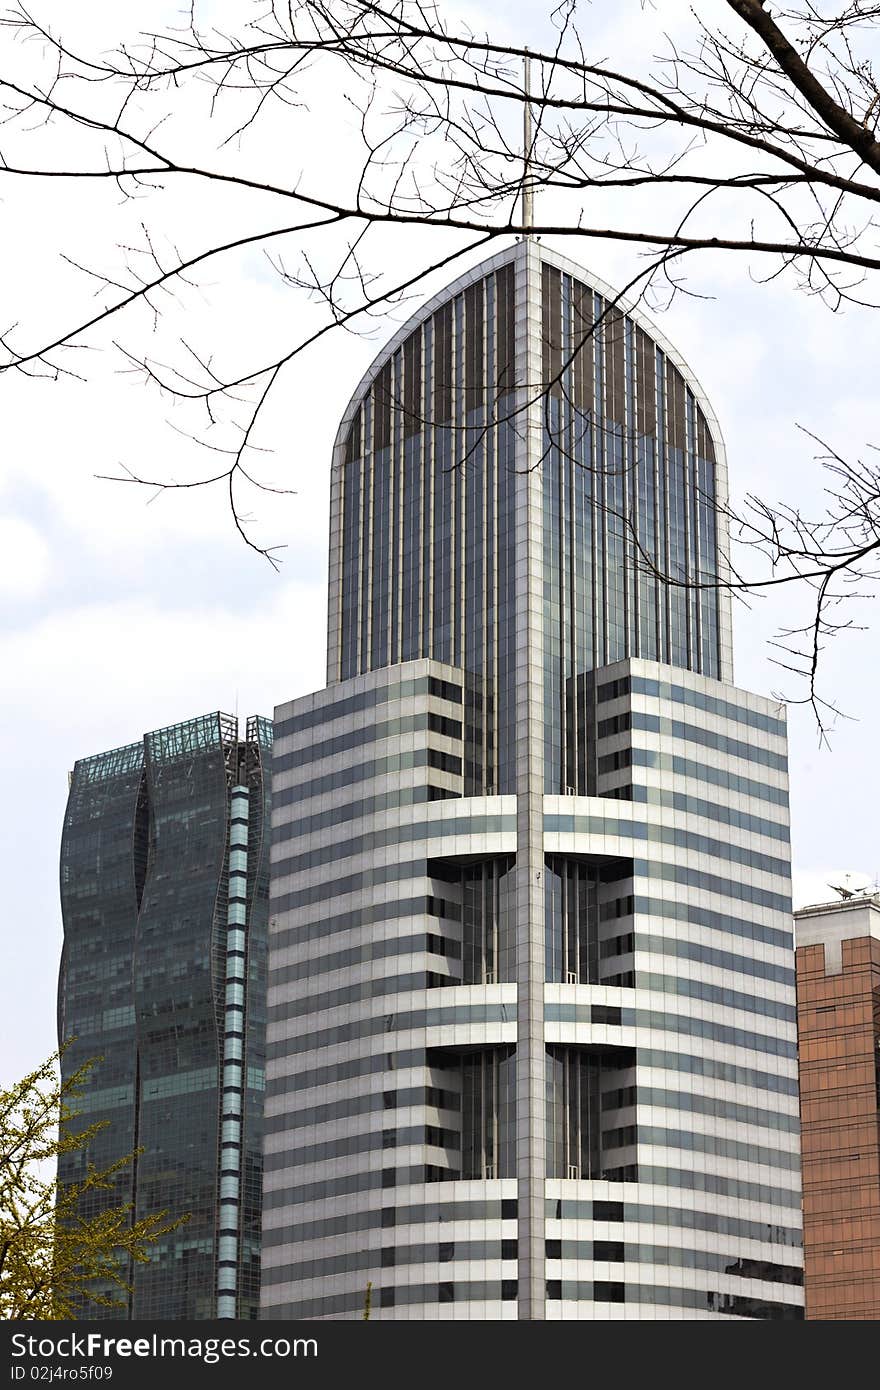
{"points": [[52, 1258]]}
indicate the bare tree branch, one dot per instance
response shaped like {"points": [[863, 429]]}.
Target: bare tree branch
{"points": [[761, 143]]}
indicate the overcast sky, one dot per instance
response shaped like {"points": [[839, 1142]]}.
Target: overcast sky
{"points": [[120, 614]]}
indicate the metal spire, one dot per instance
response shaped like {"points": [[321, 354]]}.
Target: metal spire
{"points": [[527, 193]]}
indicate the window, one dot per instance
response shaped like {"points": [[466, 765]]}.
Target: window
{"points": [[609, 1292], [611, 1250]]}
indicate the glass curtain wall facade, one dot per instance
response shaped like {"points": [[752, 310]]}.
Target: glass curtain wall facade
{"points": [[531, 1041], [164, 895]]}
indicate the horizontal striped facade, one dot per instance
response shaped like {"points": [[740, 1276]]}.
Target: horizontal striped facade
{"points": [[531, 1029], [368, 1127]]}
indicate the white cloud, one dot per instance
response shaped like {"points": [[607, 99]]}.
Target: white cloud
{"points": [[24, 559], [127, 667]]}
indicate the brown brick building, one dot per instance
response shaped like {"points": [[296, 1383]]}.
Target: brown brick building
{"points": [[838, 987]]}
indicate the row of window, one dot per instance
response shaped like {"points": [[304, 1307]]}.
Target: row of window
{"points": [[734, 1305], [595, 1291], [571, 1209], [362, 992], [709, 955], [558, 1209], [306, 1194], [695, 772], [716, 994], [740, 1189], [623, 828], [383, 1218], [380, 948], [503, 1290], [401, 761], [669, 1023], [346, 1070], [391, 1257], [368, 699], [376, 875], [447, 762], [719, 1109], [359, 738], [98, 1098], [714, 921], [361, 881], [368, 989], [709, 810], [705, 738], [389, 1063], [742, 891], [371, 1103], [696, 699], [553, 1013], [559, 824], [411, 832], [353, 810], [743, 1151], [618, 1252], [322, 928], [377, 949], [719, 1070], [356, 1144], [352, 738]]}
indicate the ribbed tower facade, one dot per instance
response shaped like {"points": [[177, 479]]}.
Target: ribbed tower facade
{"points": [[164, 896], [531, 1046]]}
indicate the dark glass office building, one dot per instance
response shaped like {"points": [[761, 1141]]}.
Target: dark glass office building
{"points": [[531, 1046], [164, 894]]}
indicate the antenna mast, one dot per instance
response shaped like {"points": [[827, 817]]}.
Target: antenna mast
{"points": [[527, 192]]}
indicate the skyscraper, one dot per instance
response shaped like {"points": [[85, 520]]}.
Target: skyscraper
{"points": [[531, 1043], [164, 894], [838, 980]]}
